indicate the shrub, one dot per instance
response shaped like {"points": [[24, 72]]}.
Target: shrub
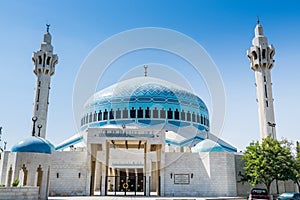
{"points": [[15, 183]]}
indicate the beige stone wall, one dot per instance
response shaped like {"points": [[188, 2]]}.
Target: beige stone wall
{"points": [[3, 166], [213, 174], [19, 193], [68, 174]]}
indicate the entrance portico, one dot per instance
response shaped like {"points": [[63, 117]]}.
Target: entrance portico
{"points": [[125, 162]]}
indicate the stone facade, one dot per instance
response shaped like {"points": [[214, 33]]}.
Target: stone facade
{"points": [[19, 193], [211, 174], [68, 174]]}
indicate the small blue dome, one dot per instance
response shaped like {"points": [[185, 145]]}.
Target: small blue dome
{"points": [[34, 144], [207, 146]]}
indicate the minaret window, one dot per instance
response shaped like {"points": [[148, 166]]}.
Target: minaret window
{"points": [[39, 85], [155, 113], [44, 59], [266, 91], [48, 60], [267, 103], [37, 106], [38, 95], [264, 53], [40, 60], [254, 55], [162, 113], [140, 113]]}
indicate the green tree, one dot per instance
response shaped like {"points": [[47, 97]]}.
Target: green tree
{"points": [[297, 168], [267, 162]]}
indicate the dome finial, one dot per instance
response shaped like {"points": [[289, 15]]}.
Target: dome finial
{"points": [[48, 25], [258, 22], [145, 70]]}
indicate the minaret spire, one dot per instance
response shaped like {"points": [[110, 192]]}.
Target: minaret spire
{"points": [[44, 67], [48, 25], [261, 62]]}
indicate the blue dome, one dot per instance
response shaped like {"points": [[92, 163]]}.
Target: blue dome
{"points": [[207, 145], [33, 144], [145, 101]]}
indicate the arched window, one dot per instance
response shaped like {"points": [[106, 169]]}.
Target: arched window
{"points": [[99, 115], [162, 113], [188, 116], [40, 59], [198, 118], [182, 115], [91, 117], [140, 113], [118, 114], [132, 113], [111, 114], [105, 113], [254, 55], [264, 53], [95, 116], [201, 119], [193, 117], [155, 113], [125, 113], [147, 113], [170, 114], [87, 118], [176, 114], [48, 60]]}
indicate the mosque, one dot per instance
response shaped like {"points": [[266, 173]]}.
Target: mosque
{"points": [[142, 136]]}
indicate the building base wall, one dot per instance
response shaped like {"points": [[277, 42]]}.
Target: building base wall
{"points": [[209, 174], [68, 174]]}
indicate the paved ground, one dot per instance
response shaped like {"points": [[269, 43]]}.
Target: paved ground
{"points": [[143, 198]]}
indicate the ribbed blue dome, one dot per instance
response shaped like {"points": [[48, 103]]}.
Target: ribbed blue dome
{"points": [[33, 144], [145, 100], [207, 145]]}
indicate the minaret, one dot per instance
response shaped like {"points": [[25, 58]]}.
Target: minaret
{"points": [[44, 67], [261, 58]]}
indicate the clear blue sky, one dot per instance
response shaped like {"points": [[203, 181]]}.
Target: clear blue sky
{"points": [[223, 28]]}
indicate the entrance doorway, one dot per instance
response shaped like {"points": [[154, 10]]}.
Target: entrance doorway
{"points": [[129, 168], [126, 185]]}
